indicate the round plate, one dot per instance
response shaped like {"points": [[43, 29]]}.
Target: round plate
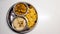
{"points": [[30, 17]]}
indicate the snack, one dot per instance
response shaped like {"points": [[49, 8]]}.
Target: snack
{"points": [[31, 16]]}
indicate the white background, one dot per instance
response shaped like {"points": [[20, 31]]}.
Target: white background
{"points": [[48, 16]]}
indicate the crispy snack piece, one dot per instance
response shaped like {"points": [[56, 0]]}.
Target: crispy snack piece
{"points": [[20, 9], [31, 16], [18, 24]]}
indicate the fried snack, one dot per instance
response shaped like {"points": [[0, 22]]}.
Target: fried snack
{"points": [[20, 9], [31, 16], [19, 24]]}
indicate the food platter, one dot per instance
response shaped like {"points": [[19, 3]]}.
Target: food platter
{"points": [[21, 17]]}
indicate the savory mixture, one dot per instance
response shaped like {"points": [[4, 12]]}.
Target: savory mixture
{"points": [[31, 16], [19, 23]]}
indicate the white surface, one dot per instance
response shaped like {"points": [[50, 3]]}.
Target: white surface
{"points": [[48, 16]]}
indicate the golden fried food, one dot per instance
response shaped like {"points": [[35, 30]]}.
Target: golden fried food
{"points": [[20, 9], [19, 24], [31, 16]]}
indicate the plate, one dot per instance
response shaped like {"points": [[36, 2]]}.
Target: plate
{"points": [[21, 17]]}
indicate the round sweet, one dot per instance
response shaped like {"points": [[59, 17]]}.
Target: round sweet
{"points": [[19, 23]]}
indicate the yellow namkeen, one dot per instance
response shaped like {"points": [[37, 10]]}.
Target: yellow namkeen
{"points": [[31, 16]]}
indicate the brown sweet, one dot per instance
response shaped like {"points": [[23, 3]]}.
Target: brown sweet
{"points": [[20, 9]]}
